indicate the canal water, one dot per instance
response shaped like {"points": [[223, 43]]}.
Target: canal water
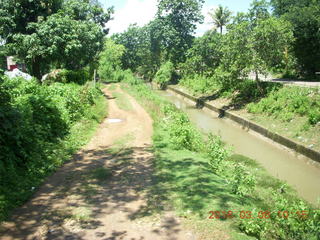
{"points": [[297, 171]]}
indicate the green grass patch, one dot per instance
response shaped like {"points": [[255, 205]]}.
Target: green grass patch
{"points": [[122, 101]]}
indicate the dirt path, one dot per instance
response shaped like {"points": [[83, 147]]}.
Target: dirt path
{"points": [[100, 193]]}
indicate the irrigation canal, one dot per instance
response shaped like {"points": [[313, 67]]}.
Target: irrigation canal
{"points": [[297, 171]]}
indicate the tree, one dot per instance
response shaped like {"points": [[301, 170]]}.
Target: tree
{"points": [[304, 16], [255, 46], [72, 44], [16, 15], [110, 60], [204, 56], [220, 17], [53, 33], [177, 20]]}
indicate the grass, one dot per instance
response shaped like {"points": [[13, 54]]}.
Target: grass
{"points": [[122, 101], [185, 183]]}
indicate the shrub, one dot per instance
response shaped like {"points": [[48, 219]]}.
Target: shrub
{"points": [[289, 102], [290, 219], [33, 121], [164, 75], [216, 152], [200, 84], [67, 76], [182, 133], [241, 181]]}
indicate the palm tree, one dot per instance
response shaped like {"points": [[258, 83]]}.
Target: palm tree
{"points": [[220, 17]]}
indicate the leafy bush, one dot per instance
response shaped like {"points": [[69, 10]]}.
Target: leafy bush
{"points": [[241, 181], [217, 153], [34, 119], [200, 84], [288, 102], [164, 75], [291, 219], [67, 76], [183, 134], [110, 62]]}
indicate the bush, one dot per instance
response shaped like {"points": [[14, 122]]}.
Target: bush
{"points": [[164, 75], [200, 84], [290, 219], [288, 102], [216, 152], [67, 76], [33, 121], [241, 181]]}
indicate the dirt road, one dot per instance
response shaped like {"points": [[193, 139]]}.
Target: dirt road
{"points": [[100, 193]]}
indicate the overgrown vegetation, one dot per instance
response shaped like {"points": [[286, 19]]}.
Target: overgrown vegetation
{"points": [[288, 102], [40, 127], [197, 175], [164, 75]]}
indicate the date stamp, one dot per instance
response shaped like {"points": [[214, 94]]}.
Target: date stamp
{"points": [[243, 214]]}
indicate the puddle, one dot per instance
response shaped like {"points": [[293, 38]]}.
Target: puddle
{"points": [[114, 120]]}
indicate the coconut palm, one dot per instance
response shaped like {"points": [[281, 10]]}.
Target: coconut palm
{"points": [[220, 17]]}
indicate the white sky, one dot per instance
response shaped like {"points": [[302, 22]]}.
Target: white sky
{"points": [[142, 11]]}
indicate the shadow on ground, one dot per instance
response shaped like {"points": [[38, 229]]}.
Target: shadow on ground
{"points": [[95, 183]]}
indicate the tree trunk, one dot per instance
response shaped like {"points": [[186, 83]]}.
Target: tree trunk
{"points": [[220, 29], [258, 82], [36, 68]]}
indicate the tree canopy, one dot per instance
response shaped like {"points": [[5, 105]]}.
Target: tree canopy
{"points": [[54, 33]]}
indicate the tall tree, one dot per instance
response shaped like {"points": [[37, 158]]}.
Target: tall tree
{"points": [[220, 17], [178, 19], [304, 16], [67, 33]]}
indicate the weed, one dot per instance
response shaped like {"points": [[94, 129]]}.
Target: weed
{"points": [[122, 101]]}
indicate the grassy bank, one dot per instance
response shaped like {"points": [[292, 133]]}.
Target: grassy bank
{"points": [[200, 178], [41, 127], [291, 111]]}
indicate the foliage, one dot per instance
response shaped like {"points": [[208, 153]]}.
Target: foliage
{"points": [[67, 76], [110, 61], [242, 183], [204, 56], [291, 219], [220, 17], [256, 46], [164, 75], [177, 20], [200, 84], [305, 18], [75, 29], [288, 102], [35, 121], [182, 133], [217, 154]]}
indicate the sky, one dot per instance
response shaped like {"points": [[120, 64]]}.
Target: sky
{"points": [[142, 11]]}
